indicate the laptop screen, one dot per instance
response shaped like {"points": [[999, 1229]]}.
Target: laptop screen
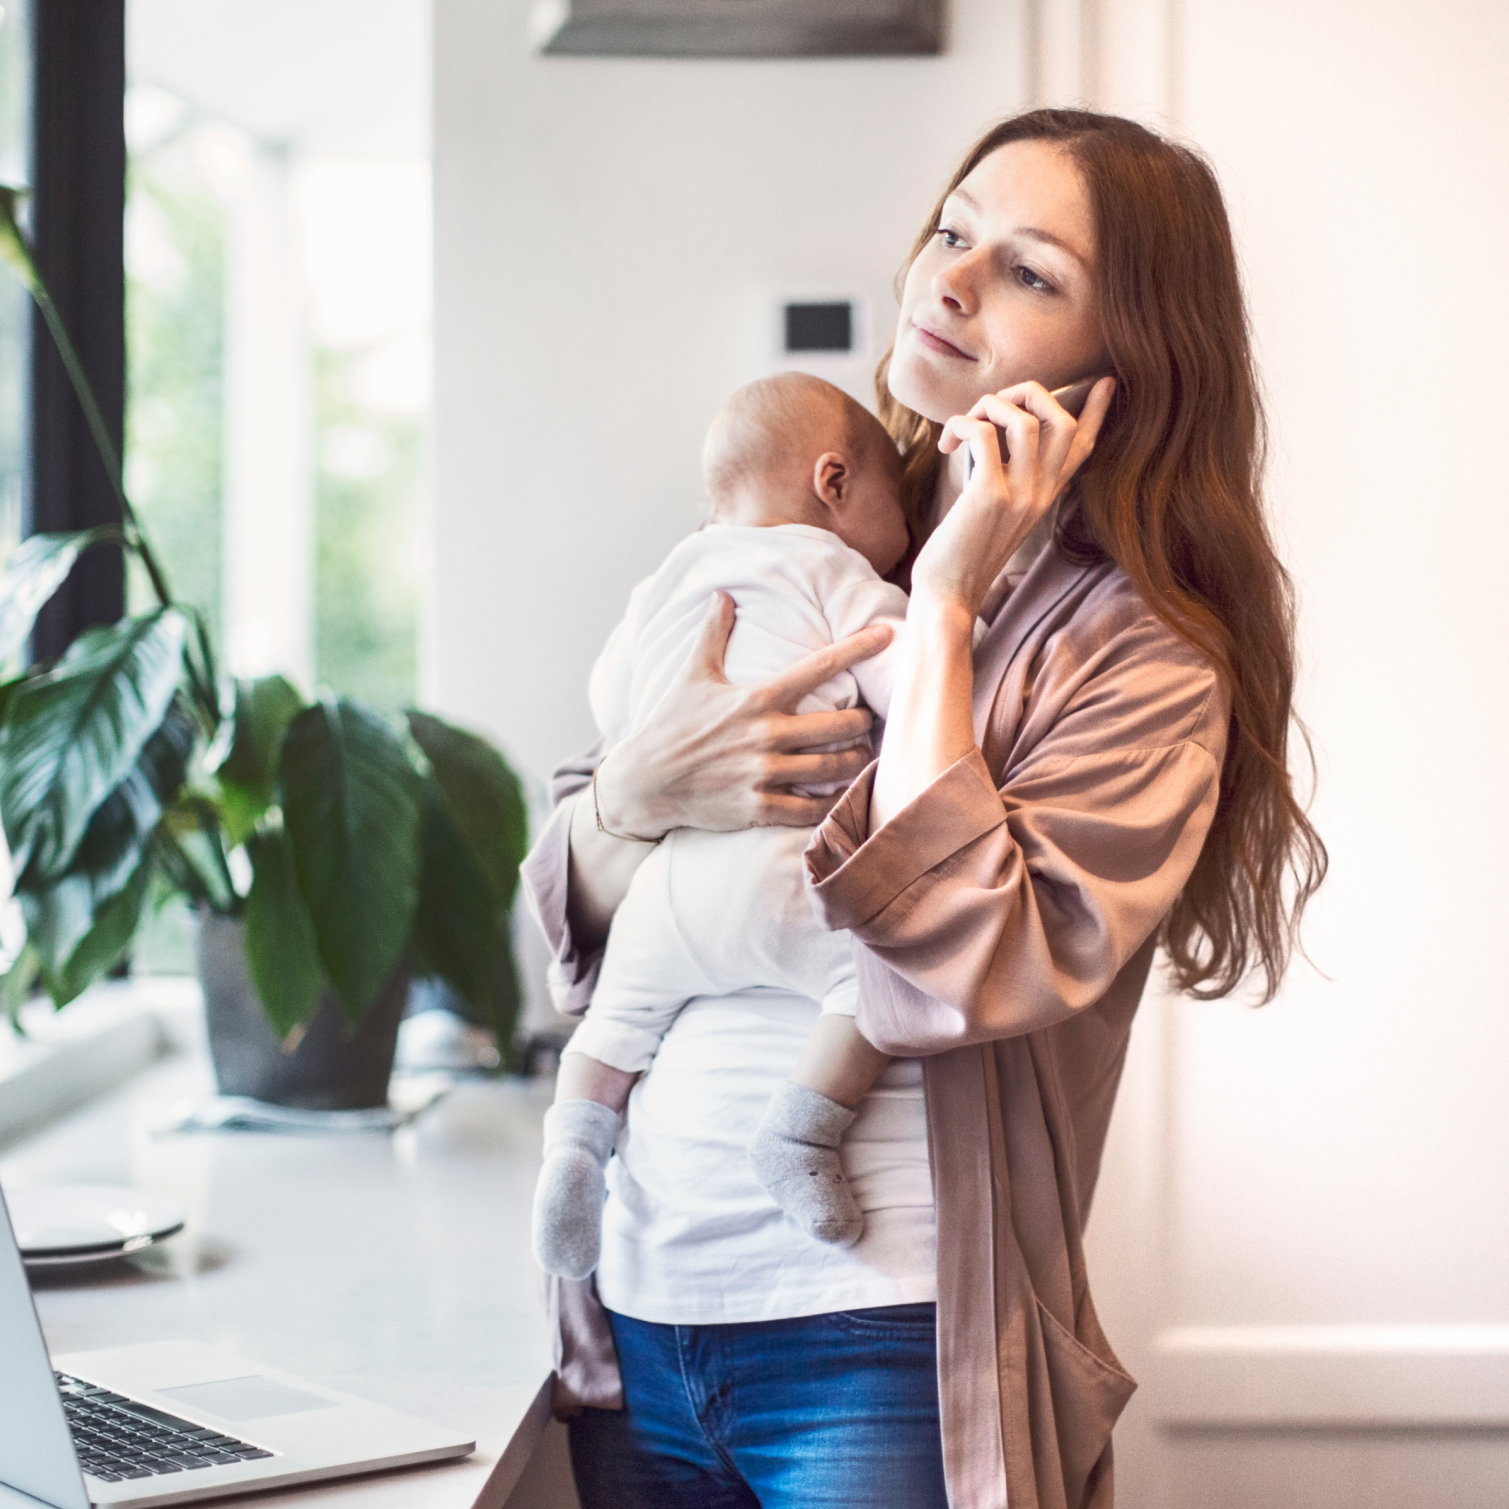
{"points": [[36, 1450]]}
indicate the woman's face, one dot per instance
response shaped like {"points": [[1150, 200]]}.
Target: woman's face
{"points": [[1005, 290]]}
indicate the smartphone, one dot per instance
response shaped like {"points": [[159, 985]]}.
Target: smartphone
{"points": [[1070, 398]]}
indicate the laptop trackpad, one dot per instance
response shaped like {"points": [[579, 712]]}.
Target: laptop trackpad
{"points": [[251, 1398]]}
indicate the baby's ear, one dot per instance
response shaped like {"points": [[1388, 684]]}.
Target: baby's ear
{"points": [[830, 479]]}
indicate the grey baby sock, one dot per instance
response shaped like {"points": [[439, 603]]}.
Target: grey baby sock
{"points": [[795, 1156], [568, 1201]]}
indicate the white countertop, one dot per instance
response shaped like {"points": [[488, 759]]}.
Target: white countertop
{"points": [[393, 1266]]}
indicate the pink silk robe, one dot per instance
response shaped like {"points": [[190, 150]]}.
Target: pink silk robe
{"points": [[1008, 919]]}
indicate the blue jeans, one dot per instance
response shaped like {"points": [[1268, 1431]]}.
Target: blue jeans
{"points": [[836, 1410]]}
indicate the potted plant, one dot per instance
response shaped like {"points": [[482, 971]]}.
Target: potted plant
{"points": [[330, 854]]}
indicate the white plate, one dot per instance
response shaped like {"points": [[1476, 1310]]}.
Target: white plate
{"points": [[62, 1224]]}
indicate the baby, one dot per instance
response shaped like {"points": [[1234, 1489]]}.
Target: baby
{"points": [[806, 518]]}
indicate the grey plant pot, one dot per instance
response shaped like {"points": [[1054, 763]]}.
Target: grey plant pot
{"points": [[331, 1069]]}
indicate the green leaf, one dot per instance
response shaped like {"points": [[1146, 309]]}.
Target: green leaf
{"points": [[71, 736], [461, 933], [185, 855], [34, 570], [280, 942], [208, 678], [484, 797], [57, 918], [350, 801], [121, 829], [263, 710], [100, 945], [16, 985]]}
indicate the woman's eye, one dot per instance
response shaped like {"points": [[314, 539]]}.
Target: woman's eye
{"points": [[1033, 280], [950, 238]]}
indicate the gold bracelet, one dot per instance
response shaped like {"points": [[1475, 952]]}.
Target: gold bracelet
{"points": [[597, 812]]}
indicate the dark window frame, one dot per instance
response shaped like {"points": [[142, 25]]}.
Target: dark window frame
{"points": [[78, 173]]}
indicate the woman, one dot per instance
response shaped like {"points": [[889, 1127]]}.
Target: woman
{"points": [[1105, 772]]}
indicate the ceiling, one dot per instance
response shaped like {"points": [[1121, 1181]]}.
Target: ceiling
{"points": [[330, 78]]}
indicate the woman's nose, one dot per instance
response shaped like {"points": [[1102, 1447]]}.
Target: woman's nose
{"points": [[954, 284]]}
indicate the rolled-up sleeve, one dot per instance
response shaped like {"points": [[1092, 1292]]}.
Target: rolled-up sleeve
{"points": [[1007, 905], [544, 879]]}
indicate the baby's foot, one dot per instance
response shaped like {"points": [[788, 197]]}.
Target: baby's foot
{"points": [[795, 1156], [568, 1201]]}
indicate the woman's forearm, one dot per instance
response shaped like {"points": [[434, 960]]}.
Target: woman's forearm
{"points": [[930, 725], [601, 868]]}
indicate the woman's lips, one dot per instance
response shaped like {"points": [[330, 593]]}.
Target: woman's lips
{"points": [[935, 342]]}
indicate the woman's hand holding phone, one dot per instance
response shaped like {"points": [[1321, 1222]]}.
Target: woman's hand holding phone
{"points": [[1012, 484], [931, 722]]}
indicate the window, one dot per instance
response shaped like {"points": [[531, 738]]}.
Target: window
{"points": [[277, 245], [277, 257], [15, 105]]}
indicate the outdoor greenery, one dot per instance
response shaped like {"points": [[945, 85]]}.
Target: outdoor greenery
{"points": [[366, 465], [366, 482], [175, 333], [127, 764]]}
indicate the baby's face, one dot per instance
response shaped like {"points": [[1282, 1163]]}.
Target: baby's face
{"points": [[872, 523]]}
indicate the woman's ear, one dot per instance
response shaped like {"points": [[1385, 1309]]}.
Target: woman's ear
{"points": [[831, 480]]}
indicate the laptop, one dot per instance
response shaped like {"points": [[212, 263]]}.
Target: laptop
{"points": [[174, 1422]]}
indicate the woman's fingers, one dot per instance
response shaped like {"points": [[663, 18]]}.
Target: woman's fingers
{"points": [[809, 673], [1063, 442], [796, 733], [1091, 417], [819, 768], [975, 430], [984, 442], [783, 809], [1024, 434], [712, 644]]}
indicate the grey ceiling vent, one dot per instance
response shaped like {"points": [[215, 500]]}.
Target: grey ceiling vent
{"points": [[738, 28]]}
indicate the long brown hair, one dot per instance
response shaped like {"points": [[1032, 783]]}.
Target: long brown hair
{"points": [[1172, 494]]}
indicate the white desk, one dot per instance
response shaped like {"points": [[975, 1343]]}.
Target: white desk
{"points": [[394, 1267]]}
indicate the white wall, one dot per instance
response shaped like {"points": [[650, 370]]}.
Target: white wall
{"points": [[608, 237], [1370, 168], [1305, 1228]]}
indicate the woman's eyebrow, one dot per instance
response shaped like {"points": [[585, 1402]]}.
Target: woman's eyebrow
{"points": [[1033, 233]]}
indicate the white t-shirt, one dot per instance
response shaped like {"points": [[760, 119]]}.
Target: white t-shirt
{"points": [[690, 1237]]}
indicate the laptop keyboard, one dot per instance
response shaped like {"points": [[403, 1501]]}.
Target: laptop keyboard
{"points": [[117, 1438]]}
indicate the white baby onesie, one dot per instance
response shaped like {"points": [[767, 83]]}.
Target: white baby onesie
{"points": [[713, 913]]}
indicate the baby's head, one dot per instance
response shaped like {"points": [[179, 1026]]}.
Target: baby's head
{"points": [[794, 449]]}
